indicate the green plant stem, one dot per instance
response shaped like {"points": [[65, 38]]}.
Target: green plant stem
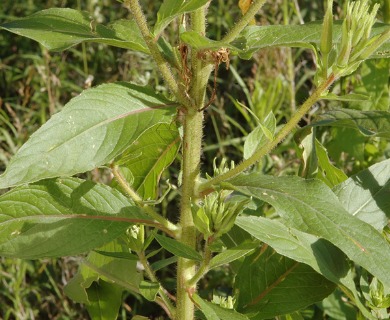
{"points": [[192, 143], [150, 40], [289, 126], [191, 165], [204, 267], [243, 22], [169, 308], [138, 201]]}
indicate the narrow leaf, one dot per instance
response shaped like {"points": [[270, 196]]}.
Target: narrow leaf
{"points": [[366, 194], [310, 206], [373, 123], [232, 254], [328, 173], [346, 98], [61, 28], [177, 248], [269, 285], [62, 217], [90, 131], [149, 155], [170, 9], [163, 263], [260, 135]]}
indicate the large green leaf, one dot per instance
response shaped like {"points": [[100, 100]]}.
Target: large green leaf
{"points": [[366, 195], [61, 28], [90, 131], [269, 284], [310, 206], [149, 155], [318, 253], [62, 217], [254, 38], [370, 123], [170, 9]]}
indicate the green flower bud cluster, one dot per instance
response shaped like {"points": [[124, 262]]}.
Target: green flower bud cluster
{"points": [[216, 215], [222, 168], [227, 303], [355, 45]]}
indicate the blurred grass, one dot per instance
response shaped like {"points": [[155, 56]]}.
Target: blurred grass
{"points": [[35, 83]]}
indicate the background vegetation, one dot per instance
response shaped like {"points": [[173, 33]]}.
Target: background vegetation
{"points": [[35, 83]]}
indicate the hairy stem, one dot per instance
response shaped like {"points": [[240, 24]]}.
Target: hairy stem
{"points": [[192, 143], [290, 125], [203, 268], [150, 40], [243, 22]]}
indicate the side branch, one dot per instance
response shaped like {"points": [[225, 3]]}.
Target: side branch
{"points": [[282, 134], [138, 201], [135, 8], [244, 21]]}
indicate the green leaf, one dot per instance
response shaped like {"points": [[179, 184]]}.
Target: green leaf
{"points": [[90, 131], [149, 289], [335, 307], [369, 123], [346, 98], [317, 253], [170, 9], [214, 312], [306, 142], [105, 300], [269, 285], [232, 254], [198, 41], [254, 38], [119, 255], [366, 194], [62, 217], [260, 135], [310, 206], [328, 173], [149, 155], [97, 267], [163, 263], [177, 248], [61, 28]]}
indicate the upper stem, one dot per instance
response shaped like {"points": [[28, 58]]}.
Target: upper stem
{"points": [[243, 22], [192, 143], [162, 64], [290, 125]]}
